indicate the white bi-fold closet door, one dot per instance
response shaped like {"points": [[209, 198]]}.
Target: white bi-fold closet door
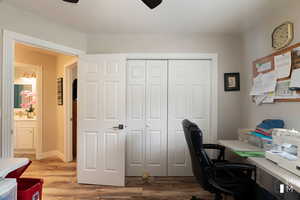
{"points": [[146, 144], [189, 97], [160, 94]]}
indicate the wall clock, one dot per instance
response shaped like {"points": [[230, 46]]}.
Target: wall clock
{"points": [[283, 35]]}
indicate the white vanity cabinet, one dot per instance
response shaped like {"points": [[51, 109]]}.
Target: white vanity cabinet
{"points": [[25, 132]]}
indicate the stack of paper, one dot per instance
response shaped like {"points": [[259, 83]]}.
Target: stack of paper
{"points": [[264, 86]]}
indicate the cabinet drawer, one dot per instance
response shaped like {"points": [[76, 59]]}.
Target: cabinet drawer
{"points": [[24, 137]]}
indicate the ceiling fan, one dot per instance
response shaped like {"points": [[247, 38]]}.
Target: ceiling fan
{"points": [[150, 3]]}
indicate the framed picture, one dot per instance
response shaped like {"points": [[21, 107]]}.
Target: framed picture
{"points": [[232, 81], [60, 93]]}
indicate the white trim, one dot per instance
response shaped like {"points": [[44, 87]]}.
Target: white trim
{"points": [[48, 154], [192, 56], [21, 151], [39, 90], [68, 136], [41, 43], [9, 39], [172, 56]]}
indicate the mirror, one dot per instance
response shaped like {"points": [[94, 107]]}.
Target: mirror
{"points": [[18, 98]]}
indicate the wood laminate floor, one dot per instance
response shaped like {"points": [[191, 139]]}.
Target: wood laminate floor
{"points": [[60, 184]]}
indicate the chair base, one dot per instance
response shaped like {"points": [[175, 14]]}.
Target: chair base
{"points": [[218, 197], [195, 198]]}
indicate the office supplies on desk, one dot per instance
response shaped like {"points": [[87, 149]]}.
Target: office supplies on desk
{"points": [[286, 150], [247, 154]]}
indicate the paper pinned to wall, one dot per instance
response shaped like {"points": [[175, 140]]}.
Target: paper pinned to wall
{"points": [[270, 97], [283, 65], [263, 67], [264, 83], [295, 79], [283, 91], [259, 99]]}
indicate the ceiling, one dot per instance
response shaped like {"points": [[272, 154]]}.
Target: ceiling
{"points": [[172, 16]]}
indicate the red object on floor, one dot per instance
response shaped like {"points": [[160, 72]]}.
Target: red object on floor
{"points": [[29, 189], [18, 172]]}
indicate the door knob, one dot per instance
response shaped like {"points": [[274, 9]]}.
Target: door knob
{"points": [[120, 127]]}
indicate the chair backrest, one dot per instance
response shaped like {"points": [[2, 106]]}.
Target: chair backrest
{"points": [[200, 160]]}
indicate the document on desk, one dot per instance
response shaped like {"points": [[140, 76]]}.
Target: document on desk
{"points": [[264, 83], [283, 65]]}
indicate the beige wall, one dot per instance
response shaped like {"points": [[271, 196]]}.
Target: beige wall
{"points": [[48, 63], [20, 21], [228, 48], [257, 43], [62, 62]]}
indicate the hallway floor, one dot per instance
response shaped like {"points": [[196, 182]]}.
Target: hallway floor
{"points": [[60, 183]]}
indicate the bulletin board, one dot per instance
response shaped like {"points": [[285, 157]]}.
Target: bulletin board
{"points": [[269, 62]]}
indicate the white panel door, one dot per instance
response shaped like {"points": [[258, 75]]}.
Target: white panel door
{"points": [[156, 117], [147, 118], [189, 98], [136, 107], [102, 104]]}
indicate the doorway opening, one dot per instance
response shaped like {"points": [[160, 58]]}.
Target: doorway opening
{"points": [[41, 97]]}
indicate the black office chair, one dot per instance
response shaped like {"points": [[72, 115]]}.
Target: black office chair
{"points": [[218, 176]]}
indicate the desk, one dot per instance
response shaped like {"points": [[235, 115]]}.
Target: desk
{"points": [[271, 168]]}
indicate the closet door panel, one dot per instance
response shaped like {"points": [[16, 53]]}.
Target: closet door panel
{"points": [[189, 97], [136, 99], [156, 117]]}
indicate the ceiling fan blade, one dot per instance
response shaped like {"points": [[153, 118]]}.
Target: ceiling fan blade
{"points": [[152, 3], [71, 1]]}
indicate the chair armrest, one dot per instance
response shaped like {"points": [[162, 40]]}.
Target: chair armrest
{"points": [[236, 166], [216, 147], [243, 166]]}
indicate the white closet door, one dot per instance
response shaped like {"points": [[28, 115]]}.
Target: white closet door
{"points": [[147, 118], [189, 98], [156, 117], [136, 100]]}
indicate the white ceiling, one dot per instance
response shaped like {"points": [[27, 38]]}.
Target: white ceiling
{"points": [[172, 16]]}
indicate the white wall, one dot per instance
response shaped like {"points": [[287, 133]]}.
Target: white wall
{"points": [[228, 47], [257, 43], [20, 21]]}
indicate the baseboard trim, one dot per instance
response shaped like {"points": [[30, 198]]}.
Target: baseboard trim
{"points": [[21, 151], [49, 154]]}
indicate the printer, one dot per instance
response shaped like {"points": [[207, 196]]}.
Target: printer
{"points": [[285, 149]]}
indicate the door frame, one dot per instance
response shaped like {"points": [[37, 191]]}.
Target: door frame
{"points": [[9, 39], [39, 89], [68, 136], [213, 57], [6, 117]]}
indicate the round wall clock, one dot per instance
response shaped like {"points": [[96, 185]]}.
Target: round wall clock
{"points": [[283, 35]]}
